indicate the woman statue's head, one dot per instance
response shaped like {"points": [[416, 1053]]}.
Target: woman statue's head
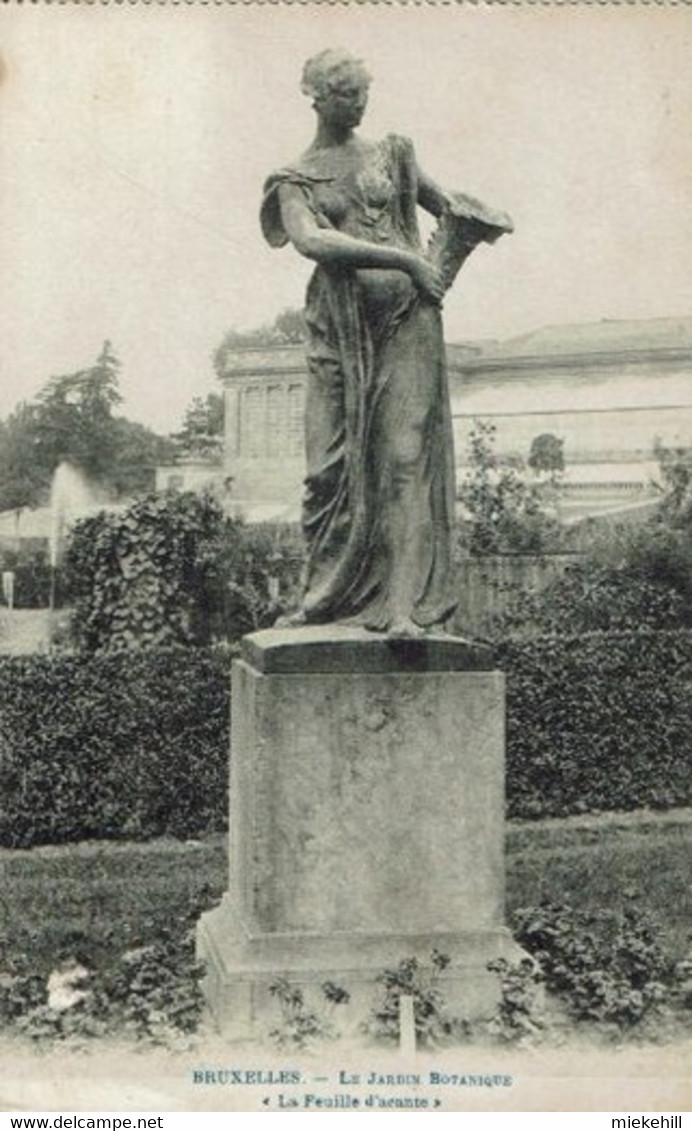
{"points": [[338, 84]]}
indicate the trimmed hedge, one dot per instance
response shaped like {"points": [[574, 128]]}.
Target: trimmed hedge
{"points": [[597, 722], [135, 744], [132, 745]]}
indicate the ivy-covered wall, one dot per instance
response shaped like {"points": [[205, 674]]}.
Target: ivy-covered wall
{"points": [[173, 569]]}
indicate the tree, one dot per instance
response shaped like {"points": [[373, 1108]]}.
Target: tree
{"points": [[24, 479], [137, 451], [202, 430], [506, 514], [290, 326], [547, 453], [72, 419], [676, 472]]}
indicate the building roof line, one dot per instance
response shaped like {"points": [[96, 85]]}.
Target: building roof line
{"points": [[499, 361], [568, 411]]}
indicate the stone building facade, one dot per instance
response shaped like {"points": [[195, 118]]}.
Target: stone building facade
{"points": [[263, 451], [610, 391]]}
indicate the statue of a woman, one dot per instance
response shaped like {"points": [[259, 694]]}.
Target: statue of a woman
{"points": [[378, 511]]}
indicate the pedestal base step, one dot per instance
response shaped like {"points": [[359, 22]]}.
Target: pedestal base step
{"points": [[240, 971]]}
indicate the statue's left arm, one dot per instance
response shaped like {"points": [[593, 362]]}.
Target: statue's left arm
{"points": [[463, 223], [431, 196], [436, 200]]}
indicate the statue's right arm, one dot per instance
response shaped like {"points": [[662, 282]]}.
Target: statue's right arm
{"points": [[326, 245]]}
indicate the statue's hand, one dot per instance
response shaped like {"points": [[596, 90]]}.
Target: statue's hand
{"points": [[427, 278]]}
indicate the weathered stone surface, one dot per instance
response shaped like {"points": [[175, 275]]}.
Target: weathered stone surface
{"points": [[349, 649], [366, 820], [241, 968]]}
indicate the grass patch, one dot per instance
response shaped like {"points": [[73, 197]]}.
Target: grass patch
{"points": [[101, 899], [106, 896], [598, 862], [94, 902]]}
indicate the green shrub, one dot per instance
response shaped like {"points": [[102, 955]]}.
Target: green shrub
{"points": [[301, 1025], [519, 1018], [594, 596], [137, 577], [506, 511], [147, 989], [661, 553], [607, 966], [421, 982], [124, 745], [135, 744], [258, 571], [174, 569], [596, 722], [628, 577]]}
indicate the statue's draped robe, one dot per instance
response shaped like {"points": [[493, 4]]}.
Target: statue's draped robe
{"points": [[380, 462]]}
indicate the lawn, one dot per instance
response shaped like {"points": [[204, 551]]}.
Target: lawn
{"points": [[101, 898], [127, 912], [603, 861], [98, 900]]}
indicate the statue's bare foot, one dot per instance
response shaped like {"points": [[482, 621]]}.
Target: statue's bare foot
{"points": [[291, 620], [405, 629]]}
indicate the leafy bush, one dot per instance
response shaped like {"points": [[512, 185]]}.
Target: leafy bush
{"points": [[21, 989], [123, 745], [150, 990], [606, 966], [134, 575], [421, 982], [590, 597], [660, 553], [135, 744], [506, 513], [301, 1025], [173, 569], [597, 722], [154, 990], [676, 471], [629, 578], [519, 1018], [258, 571]]}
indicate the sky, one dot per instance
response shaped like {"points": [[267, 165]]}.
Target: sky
{"points": [[134, 142]]}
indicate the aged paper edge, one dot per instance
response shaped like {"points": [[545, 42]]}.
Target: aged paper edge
{"points": [[355, 3], [557, 1089]]}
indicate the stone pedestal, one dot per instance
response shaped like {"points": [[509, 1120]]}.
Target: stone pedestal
{"points": [[367, 796]]}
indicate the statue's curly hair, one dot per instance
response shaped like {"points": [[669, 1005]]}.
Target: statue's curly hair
{"points": [[323, 71]]}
